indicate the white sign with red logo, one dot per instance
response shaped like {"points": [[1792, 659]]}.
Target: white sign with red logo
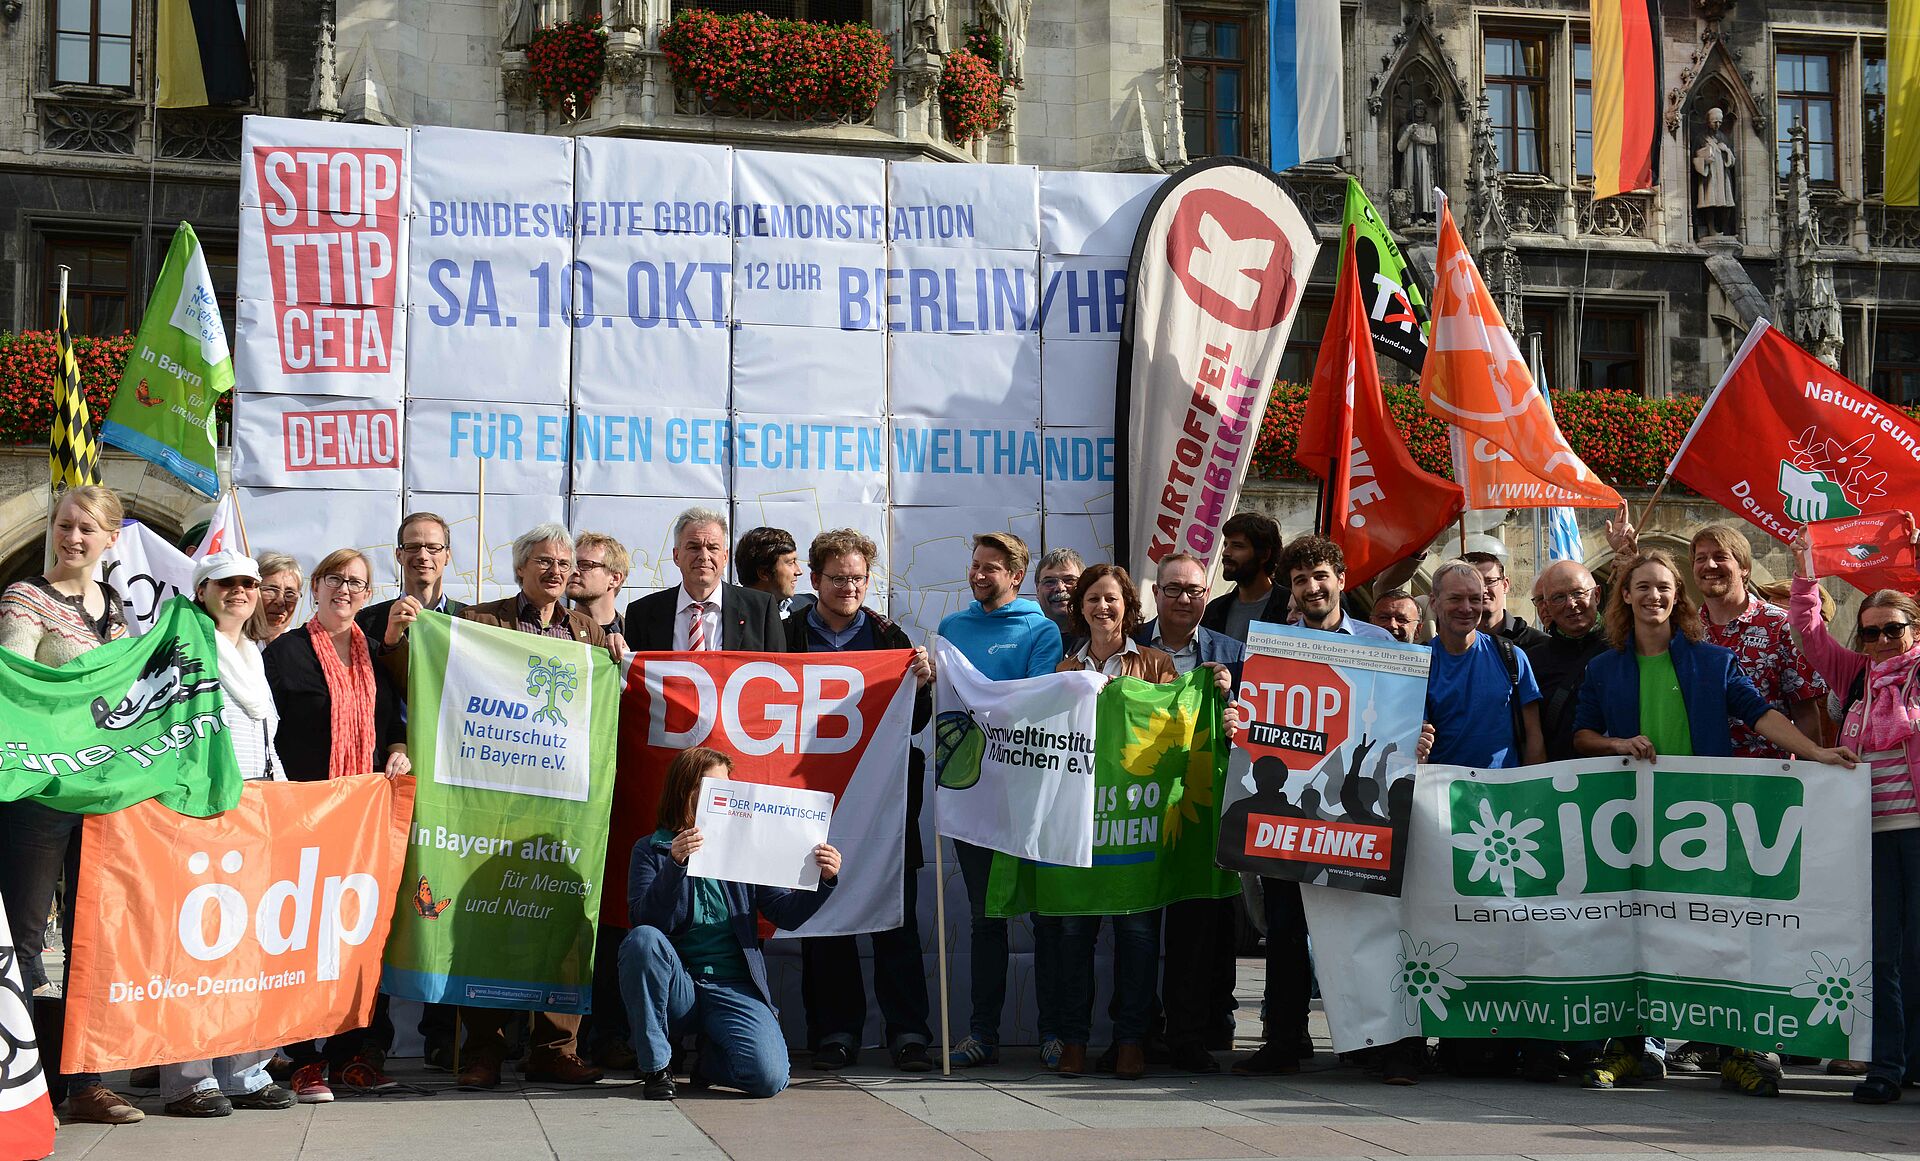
{"points": [[752, 832], [838, 723], [1218, 270], [315, 441], [323, 254]]}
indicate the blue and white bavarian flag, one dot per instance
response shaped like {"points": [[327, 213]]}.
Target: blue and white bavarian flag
{"points": [[1306, 81]]}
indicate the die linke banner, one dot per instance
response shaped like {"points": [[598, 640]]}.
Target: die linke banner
{"points": [[1216, 276], [834, 722], [1320, 784], [1717, 900], [258, 927]]}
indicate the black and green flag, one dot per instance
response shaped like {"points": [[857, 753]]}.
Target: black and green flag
{"points": [[1396, 307]]}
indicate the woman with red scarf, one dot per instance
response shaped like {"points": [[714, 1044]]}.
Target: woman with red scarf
{"points": [[1879, 686], [339, 716]]}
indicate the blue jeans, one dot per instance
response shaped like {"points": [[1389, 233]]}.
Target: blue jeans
{"points": [[740, 1042], [1136, 966], [233, 1075], [1896, 952], [989, 954], [36, 844]]}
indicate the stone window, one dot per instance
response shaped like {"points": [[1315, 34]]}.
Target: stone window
{"points": [[223, 265], [1516, 87], [1873, 118], [1215, 57], [92, 42], [1303, 341], [1896, 360], [1805, 94], [824, 11], [98, 289], [1613, 351], [1583, 110]]}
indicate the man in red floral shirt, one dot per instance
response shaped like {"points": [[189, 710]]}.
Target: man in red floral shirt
{"points": [[1756, 631]]}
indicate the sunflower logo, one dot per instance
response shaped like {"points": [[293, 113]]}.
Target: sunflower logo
{"points": [[1500, 847]]}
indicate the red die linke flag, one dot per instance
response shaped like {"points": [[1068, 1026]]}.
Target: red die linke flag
{"points": [[1870, 552], [838, 722], [1786, 440], [1380, 505]]}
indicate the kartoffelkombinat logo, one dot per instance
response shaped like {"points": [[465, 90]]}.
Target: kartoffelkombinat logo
{"points": [[1617, 831]]}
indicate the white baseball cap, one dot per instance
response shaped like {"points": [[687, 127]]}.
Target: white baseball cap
{"points": [[220, 565]]}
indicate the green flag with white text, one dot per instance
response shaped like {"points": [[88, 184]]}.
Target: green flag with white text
{"points": [[1160, 761], [512, 739], [176, 372], [134, 719], [1396, 309]]}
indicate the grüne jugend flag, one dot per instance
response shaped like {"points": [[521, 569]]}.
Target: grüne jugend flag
{"points": [[1903, 103], [1626, 95], [1306, 79], [1476, 379], [1379, 504], [178, 369], [1396, 308]]}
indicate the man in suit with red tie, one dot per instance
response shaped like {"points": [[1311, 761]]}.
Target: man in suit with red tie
{"points": [[704, 612]]}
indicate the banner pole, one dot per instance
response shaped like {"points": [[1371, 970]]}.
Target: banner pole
{"points": [[1654, 499], [479, 529], [240, 518], [1463, 534], [940, 936]]}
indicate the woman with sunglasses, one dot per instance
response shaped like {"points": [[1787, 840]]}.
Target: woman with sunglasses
{"points": [[1880, 718], [340, 716]]}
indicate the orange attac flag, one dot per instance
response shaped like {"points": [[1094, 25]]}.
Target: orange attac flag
{"points": [[1475, 379], [1626, 95], [1380, 505]]}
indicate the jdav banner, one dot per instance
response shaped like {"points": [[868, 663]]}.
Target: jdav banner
{"points": [[135, 719], [1160, 755], [259, 927], [1786, 440], [1320, 786], [835, 722], [1718, 900], [512, 743]]}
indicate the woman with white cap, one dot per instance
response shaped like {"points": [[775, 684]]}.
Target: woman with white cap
{"points": [[226, 586]]}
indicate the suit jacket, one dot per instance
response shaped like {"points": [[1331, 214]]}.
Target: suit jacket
{"points": [[505, 613], [1711, 684], [1279, 604], [1214, 647], [749, 620], [373, 622]]}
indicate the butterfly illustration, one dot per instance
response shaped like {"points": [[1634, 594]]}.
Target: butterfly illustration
{"points": [[423, 901], [146, 396]]}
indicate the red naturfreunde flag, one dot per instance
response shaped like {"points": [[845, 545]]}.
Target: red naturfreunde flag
{"points": [[837, 722], [1786, 440], [1870, 552], [1217, 270], [1379, 505]]}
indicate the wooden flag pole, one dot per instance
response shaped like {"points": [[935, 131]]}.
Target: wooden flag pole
{"points": [[940, 928], [1651, 501], [1463, 534], [479, 529]]}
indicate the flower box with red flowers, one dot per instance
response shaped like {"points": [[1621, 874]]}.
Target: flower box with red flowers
{"points": [[752, 65], [970, 91]]}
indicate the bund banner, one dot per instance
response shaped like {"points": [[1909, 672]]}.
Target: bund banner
{"points": [[512, 742], [1717, 900], [837, 722], [258, 927], [1320, 787]]}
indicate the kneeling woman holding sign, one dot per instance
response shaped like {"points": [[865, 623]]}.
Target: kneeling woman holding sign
{"points": [[692, 962]]}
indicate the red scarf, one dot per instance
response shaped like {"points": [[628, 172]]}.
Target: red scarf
{"points": [[351, 692]]}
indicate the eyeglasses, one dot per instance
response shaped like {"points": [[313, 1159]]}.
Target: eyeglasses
{"points": [[551, 563], [845, 580], [351, 584], [584, 567], [1182, 592], [415, 547], [1558, 600], [279, 593], [237, 582], [1893, 631]]}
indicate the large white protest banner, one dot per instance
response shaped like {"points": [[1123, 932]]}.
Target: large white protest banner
{"points": [[1013, 760], [146, 571], [757, 833], [1719, 900]]}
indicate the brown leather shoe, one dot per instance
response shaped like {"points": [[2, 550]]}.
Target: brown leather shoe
{"points": [[479, 1074], [1131, 1062], [1073, 1060], [99, 1105], [561, 1068]]}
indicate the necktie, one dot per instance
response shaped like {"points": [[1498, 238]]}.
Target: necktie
{"points": [[697, 629]]}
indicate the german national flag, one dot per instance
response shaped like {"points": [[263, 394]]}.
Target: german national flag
{"points": [[203, 54], [1626, 95]]}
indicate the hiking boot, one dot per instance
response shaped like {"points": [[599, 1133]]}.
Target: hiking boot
{"points": [[1753, 1073], [1271, 1060], [361, 1075], [560, 1068], [97, 1104], [310, 1084], [1129, 1061], [1694, 1056], [201, 1102], [271, 1098], [1616, 1067], [971, 1053]]}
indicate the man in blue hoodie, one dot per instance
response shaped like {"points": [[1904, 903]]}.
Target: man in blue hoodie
{"points": [[1004, 636]]}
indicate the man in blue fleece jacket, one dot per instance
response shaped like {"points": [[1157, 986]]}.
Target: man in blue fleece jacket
{"points": [[1004, 636]]}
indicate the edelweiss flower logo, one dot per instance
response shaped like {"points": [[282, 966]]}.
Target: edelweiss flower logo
{"points": [[1423, 977], [1500, 847], [1840, 992]]}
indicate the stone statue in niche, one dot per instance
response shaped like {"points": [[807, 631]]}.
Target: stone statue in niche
{"points": [[1714, 200], [1011, 16], [926, 28], [517, 24], [1418, 147]]}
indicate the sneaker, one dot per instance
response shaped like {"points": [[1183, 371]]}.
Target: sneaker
{"points": [[270, 1098], [970, 1053], [362, 1076], [310, 1085], [1271, 1060], [912, 1057], [1050, 1050], [201, 1102], [1694, 1056], [1615, 1067], [833, 1055], [97, 1104], [1753, 1073]]}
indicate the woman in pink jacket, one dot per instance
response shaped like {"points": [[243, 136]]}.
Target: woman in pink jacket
{"points": [[1879, 686]]}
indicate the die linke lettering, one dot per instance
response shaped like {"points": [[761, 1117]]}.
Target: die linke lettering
{"points": [[328, 441], [1340, 844], [332, 230]]}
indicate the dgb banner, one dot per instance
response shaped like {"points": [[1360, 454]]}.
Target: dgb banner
{"points": [[1720, 900], [260, 926]]}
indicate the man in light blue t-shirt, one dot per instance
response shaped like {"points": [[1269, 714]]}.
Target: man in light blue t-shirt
{"points": [[1471, 689]]}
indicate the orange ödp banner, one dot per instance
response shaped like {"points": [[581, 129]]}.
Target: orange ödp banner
{"points": [[262, 926]]}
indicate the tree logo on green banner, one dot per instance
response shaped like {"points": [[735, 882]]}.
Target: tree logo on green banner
{"points": [[559, 680]]}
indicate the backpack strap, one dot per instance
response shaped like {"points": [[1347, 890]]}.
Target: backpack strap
{"points": [[1509, 659]]}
